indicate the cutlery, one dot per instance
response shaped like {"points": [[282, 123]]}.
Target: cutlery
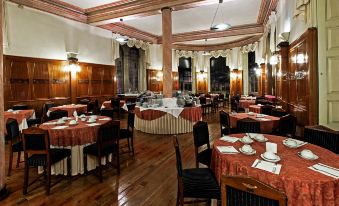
{"points": [[329, 167], [256, 164], [325, 172], [274, 168]]}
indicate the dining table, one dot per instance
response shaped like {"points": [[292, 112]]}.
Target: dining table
{"points": [[70, 108], [21, 116], [74, 137], [246, 103], [255, 108], [297, 177], [268, 123], [108, 105]]}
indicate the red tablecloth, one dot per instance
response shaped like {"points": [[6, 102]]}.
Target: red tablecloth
{"points": [[270, 97], [71, 108], [246, 103], [108, 105], [18, 115], [73, 135], [193, 114], [303, 186], [255, 109], [266, 126]]}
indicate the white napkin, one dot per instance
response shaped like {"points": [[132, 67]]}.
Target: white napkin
{"points": [[299, 143], [271, 147], [229, 139], [49, 123], [60, 127], [104, 119], [227, 149], [75, 114], [267, 166], [93, 124], [326, 170]]}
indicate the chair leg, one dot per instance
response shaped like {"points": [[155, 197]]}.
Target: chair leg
{"points": [[10, 161], [118, 161], [85, 163], [100, 168], [132, 143], [178, 197], [129, 146], [26, 175], [48, 184], [18, 160], [69, 169]]}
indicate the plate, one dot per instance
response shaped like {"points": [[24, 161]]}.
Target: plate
{"points": [[90, 121], [262, 140], [306, 158], [245, 142], [248, 153], [270, 160], [290, 146], [73, 124]]}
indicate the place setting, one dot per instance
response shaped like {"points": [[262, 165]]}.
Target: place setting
{"points": [[293, 143], [269, 160]]}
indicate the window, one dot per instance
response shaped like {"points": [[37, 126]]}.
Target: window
{"points": [[133, 69], [252, 76], [220, 75], [185, 74], [120, 72]]}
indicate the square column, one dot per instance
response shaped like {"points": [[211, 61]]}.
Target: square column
{"points": [[167, 51]]}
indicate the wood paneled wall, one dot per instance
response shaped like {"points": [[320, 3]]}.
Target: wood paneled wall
{"points": [[299, 95], [34, 81], [202, 83], [236, 82], [155, 80]]}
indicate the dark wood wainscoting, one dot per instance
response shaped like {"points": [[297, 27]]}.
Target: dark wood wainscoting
{"points": [[34, 81], [297, 83], [155, 80]]}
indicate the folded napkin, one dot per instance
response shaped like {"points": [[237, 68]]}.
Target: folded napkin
{"points": [[49, 123], [267, 166], [104, 119], [227, 149], [75, 113], [93, 124], [60, 127], [229, 139], [326, 170]]}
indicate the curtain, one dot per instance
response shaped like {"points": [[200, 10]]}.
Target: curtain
{"points": [[302, 10], [115, 50], [142, 84]]}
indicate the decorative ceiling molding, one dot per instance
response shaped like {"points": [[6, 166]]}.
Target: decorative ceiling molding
{"points": [[130, 31], [111, 13], [266, 7], [55, 7], [211, 47], [254, 29]]}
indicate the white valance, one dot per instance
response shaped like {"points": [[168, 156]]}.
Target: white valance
{"points": [[249, 48], [187, 54]]}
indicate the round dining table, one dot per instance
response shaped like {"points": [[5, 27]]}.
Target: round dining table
{"points": [[245, 103], [267, 123], [302, 185], [21, 116], [74, 138], [70, 108], [255, 108], [164, 120]]}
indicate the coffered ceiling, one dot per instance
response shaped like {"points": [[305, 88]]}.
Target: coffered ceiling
{"points": [[191, 19]]}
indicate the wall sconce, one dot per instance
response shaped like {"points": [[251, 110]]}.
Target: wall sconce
{"points": [[159, 76], [258, 72], [300, 58], [235, 74], [274, 60], [73, 65]]}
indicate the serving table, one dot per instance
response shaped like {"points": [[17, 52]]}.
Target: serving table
{"points": [[74, 138], [267, 123], [303, 186], [21, 117], [70, 108], [167, 120], [108, 104]]}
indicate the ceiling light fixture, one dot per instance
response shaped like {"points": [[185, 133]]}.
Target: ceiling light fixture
{"points": [[219, 26]]}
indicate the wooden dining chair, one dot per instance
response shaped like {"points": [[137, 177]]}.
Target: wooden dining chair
{"points": [[107, 112], [14, 140], [246, 191], [115, 103], [201, 138], [287, 126], [225, 123], [197, 183], [20, 107], [37, 152], [266, 109], [248, 125], [323, 137], [57, 114], [107, 143], [128, 133]]}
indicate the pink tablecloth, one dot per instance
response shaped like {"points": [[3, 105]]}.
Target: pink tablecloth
{"points": [[246, 103], [80, 108], [255, 109], [80, 134], [303, 186], [266, 126]]}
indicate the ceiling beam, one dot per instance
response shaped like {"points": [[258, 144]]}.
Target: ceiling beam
{"points": [[130, 31], [55, 7], [213, 47], [125, 9], [266, 7], [254, 29]]}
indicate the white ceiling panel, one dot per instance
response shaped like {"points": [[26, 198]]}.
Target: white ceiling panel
{"points": [[85, 4]]}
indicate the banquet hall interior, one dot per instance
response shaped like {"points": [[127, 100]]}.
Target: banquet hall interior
{"points": [[169, 102]]}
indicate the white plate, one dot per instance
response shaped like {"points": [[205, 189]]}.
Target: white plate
{"points": [[262, 140], [306, 158], [248, 153], [90, 121], [270, 160], [290, 146], [245, 142], [73, 124]]}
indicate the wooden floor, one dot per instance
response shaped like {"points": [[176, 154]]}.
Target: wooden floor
{"points": [[148, 179]]}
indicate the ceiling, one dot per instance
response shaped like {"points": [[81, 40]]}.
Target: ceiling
{"points": [[191, 19], [234, 12]]}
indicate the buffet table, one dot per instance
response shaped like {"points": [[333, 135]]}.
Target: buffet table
{"points": [[302, 185], [162, 120], [74, 138]]}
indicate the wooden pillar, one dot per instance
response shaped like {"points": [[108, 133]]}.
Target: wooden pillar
{"points": [[284, 89], [3, 190], [167, 51]]}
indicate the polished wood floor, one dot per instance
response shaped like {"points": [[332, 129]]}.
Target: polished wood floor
{"points": [[148, 179]]}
